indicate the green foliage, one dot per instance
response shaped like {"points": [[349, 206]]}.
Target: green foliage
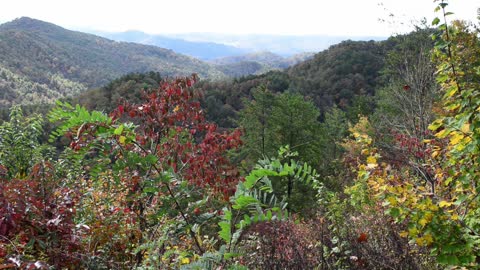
{"points": [[333, 130], [336, 75], [257, 63], [243, 68], [457, 54], [255, 200], [255, 120], [71, 117], [294, 122], [128, 87], [271, 121], [20, 146]]}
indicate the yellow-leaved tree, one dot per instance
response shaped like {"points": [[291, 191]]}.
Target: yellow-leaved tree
{"points": [[438, 206]]}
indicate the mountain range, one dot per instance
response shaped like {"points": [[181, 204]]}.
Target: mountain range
{"points": [[209, 46], [41, 62], [201, 50]]}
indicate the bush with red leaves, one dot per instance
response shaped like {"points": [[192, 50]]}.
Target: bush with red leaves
{"points": [[36, 221]]}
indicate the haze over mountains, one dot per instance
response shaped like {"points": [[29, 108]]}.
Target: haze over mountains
{"points": [[208, 46], [201, 50]]}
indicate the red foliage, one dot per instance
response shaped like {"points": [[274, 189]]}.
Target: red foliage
{"points": [[173, 127], [410, 145], [37, 218], [363, 237]]}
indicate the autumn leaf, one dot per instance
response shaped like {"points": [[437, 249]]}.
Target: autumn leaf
{"points": [[465, 128], [444, 204], [456, 138], [371, 160], [362, 238]]}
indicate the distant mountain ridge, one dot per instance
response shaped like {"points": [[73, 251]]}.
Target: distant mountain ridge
{"points": [[257, 63], [231, 60], [265, 57], [284, 45], [210, 46], [201, 50], [41, 61]]}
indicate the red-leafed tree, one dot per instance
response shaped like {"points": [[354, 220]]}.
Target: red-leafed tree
{"points": [[159, 167], [172, 126]]}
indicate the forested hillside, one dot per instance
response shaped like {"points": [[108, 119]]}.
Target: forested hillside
{"points": [[363, 157], [41, 62], [256, 63], [345, 75], [129, 87]]}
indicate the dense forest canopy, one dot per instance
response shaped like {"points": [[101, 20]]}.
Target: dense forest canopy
{"points": [[362, 157]]}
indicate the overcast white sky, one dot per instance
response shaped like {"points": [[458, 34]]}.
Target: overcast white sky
{"points": [[297, 17]]}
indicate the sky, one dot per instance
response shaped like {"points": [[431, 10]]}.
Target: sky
{"points": [[277, 17]]}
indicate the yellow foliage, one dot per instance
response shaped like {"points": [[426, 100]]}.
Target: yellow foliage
{"points": [[465, 128], [456, 138], [413, 231], [442, 134], [371, 160], [452, 92], [423, 222], [444, 204], [392, 201]]}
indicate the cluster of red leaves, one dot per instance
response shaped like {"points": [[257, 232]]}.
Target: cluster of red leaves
{"points": [[417, 153], [410, 145], [173, 127], [36, 219]]}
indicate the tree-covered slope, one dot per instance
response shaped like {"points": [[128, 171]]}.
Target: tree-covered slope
{"points": [[39, 58], [345, 74], [128, 87], [338, 74], [257, 63]]}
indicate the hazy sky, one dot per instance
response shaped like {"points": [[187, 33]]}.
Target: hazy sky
{"points": [[298, 17]]}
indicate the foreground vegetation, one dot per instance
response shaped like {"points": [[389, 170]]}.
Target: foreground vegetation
{"points": [[155, 185]]}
